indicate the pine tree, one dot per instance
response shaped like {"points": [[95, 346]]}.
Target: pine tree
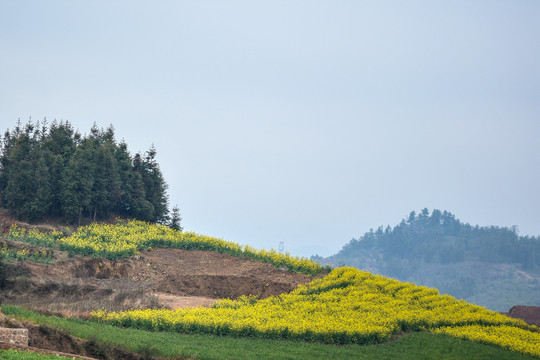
{"points": [[176, 219], [27, 193], [5, 153], [155, 186], [105, 191], [57, 172], [124, 168], [77, 186]]}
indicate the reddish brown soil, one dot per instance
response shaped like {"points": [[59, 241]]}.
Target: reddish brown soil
{"points": [[530, 314], [214, 275], [171, 278]]}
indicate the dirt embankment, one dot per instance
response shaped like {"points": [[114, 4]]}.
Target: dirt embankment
{"points": [[47, 340], [168, 278], [530, 314]]}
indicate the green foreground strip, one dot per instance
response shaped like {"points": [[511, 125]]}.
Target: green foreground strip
{"points": [[27, 355], [417, 345]]}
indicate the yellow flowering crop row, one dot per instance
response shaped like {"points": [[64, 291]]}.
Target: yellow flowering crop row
{"points": [[347, 306], [127, 238], [508, 337], [34, 236], [24, 254]]}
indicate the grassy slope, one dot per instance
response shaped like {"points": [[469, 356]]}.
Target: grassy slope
{"points": [[412, 346], [26, 355]]}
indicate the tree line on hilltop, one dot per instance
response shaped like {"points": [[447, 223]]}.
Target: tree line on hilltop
{"points": [[441, 238], [487, 265], [55, 171]]}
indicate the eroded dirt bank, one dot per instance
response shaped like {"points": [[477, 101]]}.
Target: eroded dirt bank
{"points": [[531, 314], [47, 340], [169, 278]]}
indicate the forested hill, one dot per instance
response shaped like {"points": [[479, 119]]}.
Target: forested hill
{"points": [[439, 250], [54, 171], [441, 238]]}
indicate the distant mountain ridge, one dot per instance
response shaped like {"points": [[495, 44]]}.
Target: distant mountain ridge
{"points": [[490, 266]]}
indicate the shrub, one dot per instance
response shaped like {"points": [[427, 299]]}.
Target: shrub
{"points": [[3, 273]]}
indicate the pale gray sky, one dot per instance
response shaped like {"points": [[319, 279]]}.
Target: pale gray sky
{"points": [[306, 122]]}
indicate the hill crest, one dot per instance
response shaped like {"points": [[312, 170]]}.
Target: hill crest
{"points": [[490, 266]]}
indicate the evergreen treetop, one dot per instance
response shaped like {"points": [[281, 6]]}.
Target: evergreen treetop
{"points": [[54, 171], [441, 238]]}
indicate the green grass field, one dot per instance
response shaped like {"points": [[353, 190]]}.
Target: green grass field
{"points": [[417, 345], [26, 355]]}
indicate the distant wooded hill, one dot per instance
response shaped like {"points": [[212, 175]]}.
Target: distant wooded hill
{"points": [[54, 171], [491, 266]]}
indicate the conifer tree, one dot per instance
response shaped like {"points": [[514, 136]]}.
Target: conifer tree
{"points": [[27, 189], [176, 219], [55, 171], [77, 186], [155, 187], [124, 168]]}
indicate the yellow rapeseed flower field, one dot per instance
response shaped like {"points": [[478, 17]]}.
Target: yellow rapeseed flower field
{"points": [[508, 337], [127, 237], [346, 306]]}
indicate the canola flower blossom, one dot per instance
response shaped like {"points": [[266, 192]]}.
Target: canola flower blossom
{"points": [[127, 238], [34, 236], [347, 306], [24, 254], [508, 337]]}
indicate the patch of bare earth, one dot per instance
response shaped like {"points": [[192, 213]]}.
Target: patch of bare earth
{"points": [[530, 314], [160, 278], [215, 275], [169, 278]]}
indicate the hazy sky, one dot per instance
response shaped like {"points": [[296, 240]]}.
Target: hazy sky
{"points": [[307, 122]]}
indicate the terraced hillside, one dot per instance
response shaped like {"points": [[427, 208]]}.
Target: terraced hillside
{"points": [[41, 276], [159, 273]]}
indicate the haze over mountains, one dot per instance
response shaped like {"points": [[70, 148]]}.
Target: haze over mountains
{"points": [[491, 266]]}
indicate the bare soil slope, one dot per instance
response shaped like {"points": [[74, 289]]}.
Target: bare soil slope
{"points": [[169, 278], [531, 314]]}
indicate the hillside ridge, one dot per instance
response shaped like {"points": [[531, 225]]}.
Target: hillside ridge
{"points": [[48, 276], [491, 266], [169, 278]]}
